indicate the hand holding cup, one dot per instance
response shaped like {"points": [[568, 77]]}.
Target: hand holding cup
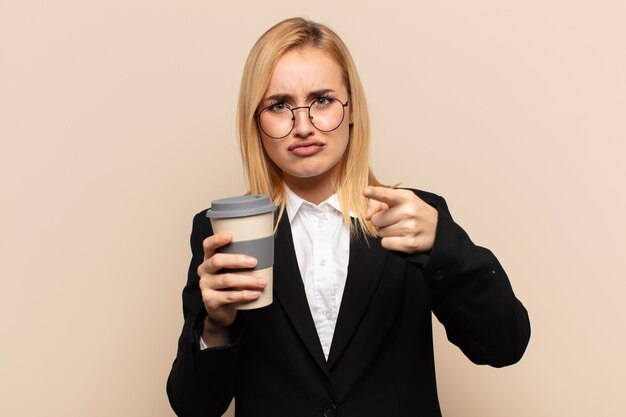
{"points": [[238, 260], [223, 291]]}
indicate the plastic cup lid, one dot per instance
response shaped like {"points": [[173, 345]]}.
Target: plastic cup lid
{"points": [[240, 206]]}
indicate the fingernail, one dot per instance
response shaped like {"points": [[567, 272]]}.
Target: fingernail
{"points": [[228, 236], [369, 212], [250, 261], [367, 190], [262, 282]]}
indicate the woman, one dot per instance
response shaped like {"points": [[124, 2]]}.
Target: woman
{"points": [[358, 267]]}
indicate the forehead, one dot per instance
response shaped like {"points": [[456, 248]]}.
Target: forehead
{"points": [[302, 70]]}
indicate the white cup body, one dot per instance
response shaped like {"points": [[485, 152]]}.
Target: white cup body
{"points": [[245, 228]]}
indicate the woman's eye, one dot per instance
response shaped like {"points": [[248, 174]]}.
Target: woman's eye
{"points": [[323, 101], [278, 107]]}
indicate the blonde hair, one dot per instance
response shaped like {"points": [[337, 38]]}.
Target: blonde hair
{"points": [[263, 176]]}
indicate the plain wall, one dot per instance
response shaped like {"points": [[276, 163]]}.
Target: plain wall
{"points": [[117, 125]]}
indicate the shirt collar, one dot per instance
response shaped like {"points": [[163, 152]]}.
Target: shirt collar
{"points": [[294, 203]]}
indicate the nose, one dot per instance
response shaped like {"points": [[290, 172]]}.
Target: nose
{"points": [[302, 126]]}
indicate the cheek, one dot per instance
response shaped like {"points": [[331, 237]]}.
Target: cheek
{"points": [[271, 150], [343, 138]]}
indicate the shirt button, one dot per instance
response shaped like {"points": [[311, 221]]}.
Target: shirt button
{"points": [[323, 262], [321, 224], [329, 314], [439, 275]]}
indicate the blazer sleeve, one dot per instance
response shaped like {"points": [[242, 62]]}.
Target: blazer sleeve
{"points": [[471, 294], [201, 382]]}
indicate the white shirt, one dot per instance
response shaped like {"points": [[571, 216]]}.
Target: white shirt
{"points": [[321, 240]]}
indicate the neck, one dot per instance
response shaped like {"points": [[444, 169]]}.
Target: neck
{"points": [[314, 190]]}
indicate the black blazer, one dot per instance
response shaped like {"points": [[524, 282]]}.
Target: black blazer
{"points": [[381, 357]]}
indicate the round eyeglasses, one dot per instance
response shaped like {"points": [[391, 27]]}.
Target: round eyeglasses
{"points": [[277, 120]]}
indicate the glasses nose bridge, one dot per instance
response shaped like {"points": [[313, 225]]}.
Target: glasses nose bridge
{"points": [[301, 125], [293, 111]]}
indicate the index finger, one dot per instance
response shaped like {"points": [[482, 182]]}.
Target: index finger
{"points": [[215, 241], [390, 196]]}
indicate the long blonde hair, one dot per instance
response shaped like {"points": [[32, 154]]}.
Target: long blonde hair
{"points": [[263, 176]]}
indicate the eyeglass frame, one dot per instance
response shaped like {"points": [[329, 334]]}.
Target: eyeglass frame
{"points": [[257, 116]]}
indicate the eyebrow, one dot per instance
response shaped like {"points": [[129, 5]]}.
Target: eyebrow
{"points": [[289, 98]]}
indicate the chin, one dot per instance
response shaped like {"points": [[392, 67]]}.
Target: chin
{"points": [[306, 174]]}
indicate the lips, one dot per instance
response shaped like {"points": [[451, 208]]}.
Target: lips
{"points": [[304, 144], [306, 147]]}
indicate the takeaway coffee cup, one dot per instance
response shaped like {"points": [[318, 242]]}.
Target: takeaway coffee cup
{"points": [[250, 220]]}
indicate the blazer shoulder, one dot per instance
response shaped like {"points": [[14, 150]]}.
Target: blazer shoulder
{"points": [[200, 216], [202, 224]]}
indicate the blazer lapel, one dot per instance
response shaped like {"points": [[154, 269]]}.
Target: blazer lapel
{"points": [[289, 292], [364, 272]]}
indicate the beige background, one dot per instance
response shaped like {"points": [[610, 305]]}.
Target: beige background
{"points": [[117, 125]]}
